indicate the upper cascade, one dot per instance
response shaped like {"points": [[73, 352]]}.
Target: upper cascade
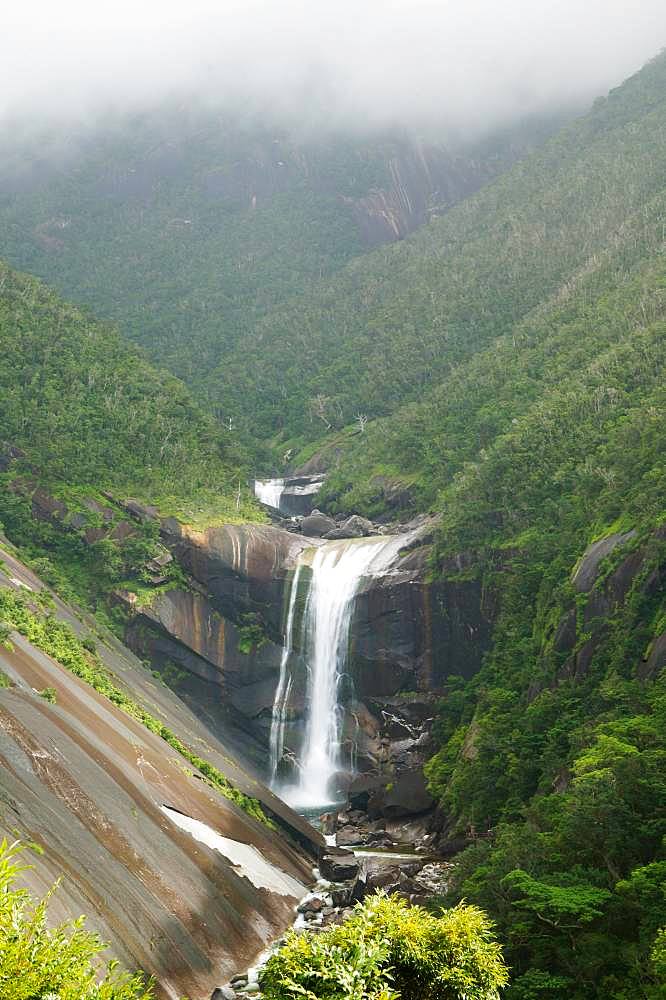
{"points": [[269, 491], [292, 496]]}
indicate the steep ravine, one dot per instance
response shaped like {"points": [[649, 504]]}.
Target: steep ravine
{"points": [[215, 634], [395, 636]]}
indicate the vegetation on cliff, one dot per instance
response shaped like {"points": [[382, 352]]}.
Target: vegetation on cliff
{"points": [[34, 619]]}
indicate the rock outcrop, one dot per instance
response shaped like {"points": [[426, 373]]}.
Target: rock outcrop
{"points": [[88, 782], [242, 568], [219, 643], [299, 495], [583, 628]]}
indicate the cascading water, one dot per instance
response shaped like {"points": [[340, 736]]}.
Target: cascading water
{"points": [[283, 689], [338, 569], [269, 491]]}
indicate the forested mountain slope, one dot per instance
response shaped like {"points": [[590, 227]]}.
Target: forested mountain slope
{"points": [[186, 226], [515, 351], [395, 324], [88, 410]]}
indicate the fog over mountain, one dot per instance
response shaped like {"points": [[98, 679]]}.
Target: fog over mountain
{"points": [[447, 64]]}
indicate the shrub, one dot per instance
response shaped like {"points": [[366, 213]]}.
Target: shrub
{"points": [[63, 961], [388, 950]]}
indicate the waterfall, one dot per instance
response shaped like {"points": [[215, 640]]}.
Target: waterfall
{"points": [[338, 570], [283, 689], [269, 491]]}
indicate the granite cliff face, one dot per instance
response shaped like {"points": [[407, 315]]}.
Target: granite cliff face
{"points": [[610, 572], [219, 642], [89, 783]]}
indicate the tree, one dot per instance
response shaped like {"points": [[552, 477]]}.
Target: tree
{"points": [[63, 961], [388, 950]]}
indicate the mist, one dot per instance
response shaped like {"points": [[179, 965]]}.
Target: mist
{"points": [[456, 65]]}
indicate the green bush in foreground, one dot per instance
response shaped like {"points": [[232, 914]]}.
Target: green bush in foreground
{"points": [[62, 962], [388, 950]]}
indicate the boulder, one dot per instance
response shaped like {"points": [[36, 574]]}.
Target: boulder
{"points": [[351, 836], [352, 527], [358, 527], [224, 993], [317, 525], [312, 905], [383, 878], [338, 867], [337, 534], [344, 893], [362, 788]]}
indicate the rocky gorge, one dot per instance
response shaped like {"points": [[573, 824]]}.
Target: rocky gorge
{"points": [[224, 612], [217, 639], [220, 643]]}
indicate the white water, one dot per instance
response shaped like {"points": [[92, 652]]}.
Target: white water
{"points": [[269, 491], [338, 569], [283, 689]]}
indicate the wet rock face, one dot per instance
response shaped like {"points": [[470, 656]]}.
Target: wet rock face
{"points": [[299, 495], [242, 568], [409, 634], [219, 643], [656, 659], [406, 795], [204, 658], [586, 572], [87, 782], [338, 866]]}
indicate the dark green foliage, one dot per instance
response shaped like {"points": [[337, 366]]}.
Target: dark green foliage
{"points": [[188, 228], [388, 950], [90, 411], [251, 633], [576, 878], [396, 326]]}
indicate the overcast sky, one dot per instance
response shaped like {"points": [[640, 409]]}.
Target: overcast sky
{"points": [[452, 63]]}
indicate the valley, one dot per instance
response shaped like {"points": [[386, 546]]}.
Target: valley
{"points": [[333, 550]]}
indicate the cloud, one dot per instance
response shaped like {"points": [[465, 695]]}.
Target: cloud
{"points": [[453, 64]]}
